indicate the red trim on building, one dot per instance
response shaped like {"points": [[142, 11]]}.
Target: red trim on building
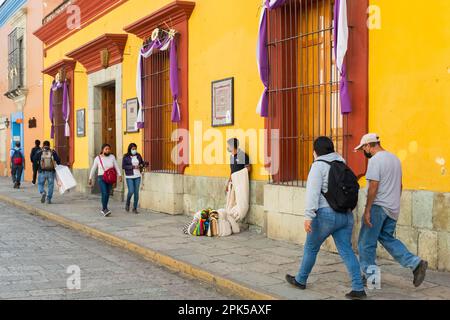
{"points": [[89, 55], [56, 30], [69, 67], [358, 76], [176, 14]]}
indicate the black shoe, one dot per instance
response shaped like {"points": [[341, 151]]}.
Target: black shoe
{"points": [[43, 197], [356, 295], [49, 201], [106, 212], [127, 208], [291, 279], [419, 273], [135, 211]]}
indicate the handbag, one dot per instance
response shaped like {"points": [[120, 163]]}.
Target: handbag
{"points": [[110, 175]]}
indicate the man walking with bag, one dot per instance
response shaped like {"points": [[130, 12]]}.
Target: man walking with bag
{"points": [[17, 165], [384, 176], [47, 160]]}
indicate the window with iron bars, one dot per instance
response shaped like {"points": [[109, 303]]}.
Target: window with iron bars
{"points": [[157, 108], [304, 86], [15, 59]]}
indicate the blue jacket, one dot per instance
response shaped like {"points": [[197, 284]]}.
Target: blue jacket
{"points": [[128, 166]]}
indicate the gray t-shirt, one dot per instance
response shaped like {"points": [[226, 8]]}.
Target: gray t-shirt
{"points": [[386, 168]]}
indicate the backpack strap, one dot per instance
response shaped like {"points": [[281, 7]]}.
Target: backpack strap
{"points": [[329, 162]]}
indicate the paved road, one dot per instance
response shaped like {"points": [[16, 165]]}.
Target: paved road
{"points": [[35, 255]]}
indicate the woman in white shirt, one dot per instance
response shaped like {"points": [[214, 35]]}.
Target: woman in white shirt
{"points": [[133, 164], [104, 162]]}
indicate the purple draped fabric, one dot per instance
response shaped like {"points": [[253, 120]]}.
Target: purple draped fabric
{"points": [[147, 51], [344, 93], [263, 55], [65, 108], [65, 105], [174, 81], [52, 131]]}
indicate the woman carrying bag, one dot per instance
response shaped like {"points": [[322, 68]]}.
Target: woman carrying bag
{"points": [[108, 173], [133, 164]]}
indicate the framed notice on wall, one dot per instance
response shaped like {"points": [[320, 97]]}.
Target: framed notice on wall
{"points": [[81, 123], [132, 113], [222, 96]]}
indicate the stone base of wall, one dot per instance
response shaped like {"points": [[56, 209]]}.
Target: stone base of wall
{"points": [[424, 224], [162, 193], [82, 177], [209, 192]]}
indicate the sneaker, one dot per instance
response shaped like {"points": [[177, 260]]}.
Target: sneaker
{"points": [[49, 201], [419, 273], [44, 195], [106, 212], [291, 279], [135, 211], [127, 208], [356, 295]]}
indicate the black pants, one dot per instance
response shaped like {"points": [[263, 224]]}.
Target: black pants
{"points": [[16, 173], [35, 172]]}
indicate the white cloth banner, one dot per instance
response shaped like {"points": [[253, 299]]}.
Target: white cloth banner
{"points": [[342, 36]]}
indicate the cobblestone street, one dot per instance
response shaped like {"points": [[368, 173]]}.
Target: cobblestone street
{"points": [[36, 253]]}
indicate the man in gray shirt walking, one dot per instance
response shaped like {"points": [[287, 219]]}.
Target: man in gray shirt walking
{"points": [[384, 177]]}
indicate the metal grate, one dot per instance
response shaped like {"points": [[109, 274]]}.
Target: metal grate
{"points": [[157, 109], [15, 59], [303, 86]]}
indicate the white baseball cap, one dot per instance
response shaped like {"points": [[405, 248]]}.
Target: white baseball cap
{"points": [[366, 139]]}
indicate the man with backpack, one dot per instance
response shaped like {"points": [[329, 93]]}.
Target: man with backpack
{"points": [[384, 176], [331, 195], [17, 165], [47, 160]]}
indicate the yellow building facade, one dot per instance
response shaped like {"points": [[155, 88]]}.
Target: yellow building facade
{"points": [[408, 79]]}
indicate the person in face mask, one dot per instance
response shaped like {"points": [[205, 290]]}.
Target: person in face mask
{"points": [[104, 163], [133, 164], [384, 177]]}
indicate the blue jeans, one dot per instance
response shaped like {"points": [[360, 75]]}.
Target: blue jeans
{"points": [[383, 229], [48, 176], [16, 174], [133, 189], [340, 226], [106, 191]]}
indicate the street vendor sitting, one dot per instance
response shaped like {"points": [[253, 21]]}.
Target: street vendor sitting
{"points": [[238, 158]]}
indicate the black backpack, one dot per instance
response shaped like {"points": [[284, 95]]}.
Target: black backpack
{"points": [[343, 187]]}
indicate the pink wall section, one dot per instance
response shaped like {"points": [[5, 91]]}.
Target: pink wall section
{"points": [[35, 12]]}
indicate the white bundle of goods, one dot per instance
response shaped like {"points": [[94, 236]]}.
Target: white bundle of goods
{"points": [[65, 179]]}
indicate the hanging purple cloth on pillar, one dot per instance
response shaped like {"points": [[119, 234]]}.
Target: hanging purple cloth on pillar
{"points": [[52, 130], [263, 55], [174, 86], [340, 49], [66, 108]]}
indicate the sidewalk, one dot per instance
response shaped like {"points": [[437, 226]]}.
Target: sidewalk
{"points": [[248, 264]]}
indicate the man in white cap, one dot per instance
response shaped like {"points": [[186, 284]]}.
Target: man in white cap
{"points": [[384, 177]]}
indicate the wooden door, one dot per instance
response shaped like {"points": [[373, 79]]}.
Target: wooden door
{"points": [[109, 116]]}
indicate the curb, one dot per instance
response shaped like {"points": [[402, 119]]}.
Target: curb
{"points": [[148, 254]]}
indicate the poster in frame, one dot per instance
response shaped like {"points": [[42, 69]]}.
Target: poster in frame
{"points": [[132, 107], [222, 102]]}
